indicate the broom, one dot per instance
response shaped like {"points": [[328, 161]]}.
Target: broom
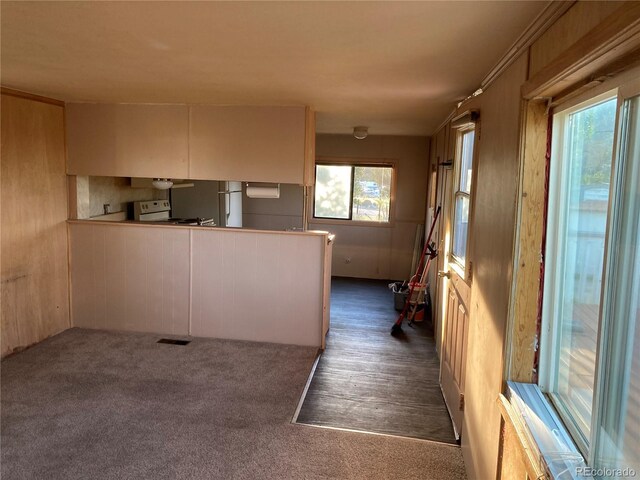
{"points": [[428, 247]]}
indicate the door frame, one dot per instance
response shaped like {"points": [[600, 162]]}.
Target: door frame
{"points": [[454, 280]]}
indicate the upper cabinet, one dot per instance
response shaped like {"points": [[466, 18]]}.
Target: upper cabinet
{"points": [[259, 144], [126, 140], [254, 144]]}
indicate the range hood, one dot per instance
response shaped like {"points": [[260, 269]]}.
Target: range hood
{"points": [[148, 183]]}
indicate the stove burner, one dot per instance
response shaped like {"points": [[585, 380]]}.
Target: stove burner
{"points": [[192, 221]]}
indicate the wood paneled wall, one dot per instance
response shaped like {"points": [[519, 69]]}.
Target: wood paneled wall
{"points": [[130, 278], [492, 245], [257, 286], [503, 188], [382, 252], [34, 260], [222, 283], [569, 28]]}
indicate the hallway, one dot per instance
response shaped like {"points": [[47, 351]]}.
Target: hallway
{"points": [[368, 380]]}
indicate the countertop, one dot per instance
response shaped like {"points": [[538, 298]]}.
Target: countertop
{"points": [[133, 223]]}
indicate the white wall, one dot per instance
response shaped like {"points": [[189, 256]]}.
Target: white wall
{"points": [[383, 252]]}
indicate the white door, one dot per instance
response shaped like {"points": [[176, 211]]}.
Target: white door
{"points": [[455, 272]]}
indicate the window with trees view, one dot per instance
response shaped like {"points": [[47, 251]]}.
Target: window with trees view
{"points": [[590, 365], [353, 192]]}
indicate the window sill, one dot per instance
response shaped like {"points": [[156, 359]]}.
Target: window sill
{"points": [[350, 223], [556, 451]]}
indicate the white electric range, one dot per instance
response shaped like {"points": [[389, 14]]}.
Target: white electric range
{"points": [[159, 211]]}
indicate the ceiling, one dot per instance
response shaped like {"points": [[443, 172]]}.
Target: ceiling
{"points": [[397, 67]]}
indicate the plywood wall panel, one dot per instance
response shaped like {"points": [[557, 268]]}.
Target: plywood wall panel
{"points": [[34, 288], [531, 201], [176, 290], [129, 278], [114, 257], [221, 283], [261, 287], [492, 240]]}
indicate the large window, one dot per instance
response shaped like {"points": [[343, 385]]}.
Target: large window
{"points": [[353, 192], [591, 334], [462, 198]]}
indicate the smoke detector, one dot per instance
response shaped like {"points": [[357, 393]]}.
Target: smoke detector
{"points": [[360, 132]]}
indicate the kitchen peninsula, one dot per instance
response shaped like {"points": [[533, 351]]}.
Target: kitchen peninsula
{"points": [[190, 280], [242, 284]]}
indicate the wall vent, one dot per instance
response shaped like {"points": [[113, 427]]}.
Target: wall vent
{"points": [[171, 341]]}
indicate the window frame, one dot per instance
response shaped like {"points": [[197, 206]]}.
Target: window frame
{"points": [[355, 162], [550, 308], [622, 89], [463, 269]]}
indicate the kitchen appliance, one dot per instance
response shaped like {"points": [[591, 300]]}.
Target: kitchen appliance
{"points": [[159, 211]]}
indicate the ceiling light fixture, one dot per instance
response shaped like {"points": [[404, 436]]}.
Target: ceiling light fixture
{"points": [[162, 183], [360, 132]]}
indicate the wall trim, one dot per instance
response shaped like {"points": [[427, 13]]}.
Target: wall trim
{"points": [[31, 96], [540, 24], [446, 120], [608, 49]]}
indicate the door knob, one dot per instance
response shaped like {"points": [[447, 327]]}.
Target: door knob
{"points": [[442, 273]]}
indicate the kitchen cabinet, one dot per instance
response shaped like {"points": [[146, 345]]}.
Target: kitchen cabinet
{"points": [[126, 140], [199, 142], [255, 144]]}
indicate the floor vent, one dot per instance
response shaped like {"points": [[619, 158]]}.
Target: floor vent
{"points": [[170, 341]]}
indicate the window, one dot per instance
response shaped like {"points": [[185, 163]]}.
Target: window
{"points": [[353, 192], [462, 199], [590, 362]]}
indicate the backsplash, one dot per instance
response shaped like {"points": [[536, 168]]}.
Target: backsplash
{"points": [[117, 192]]}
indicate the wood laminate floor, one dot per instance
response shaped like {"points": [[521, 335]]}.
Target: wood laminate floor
{"points": [[370, 381]]}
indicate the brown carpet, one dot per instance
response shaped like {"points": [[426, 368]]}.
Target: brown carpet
{"points": [[104, 405]]}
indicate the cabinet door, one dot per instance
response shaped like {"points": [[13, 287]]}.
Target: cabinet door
{"points": [[258, 144], [127, 140]]}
